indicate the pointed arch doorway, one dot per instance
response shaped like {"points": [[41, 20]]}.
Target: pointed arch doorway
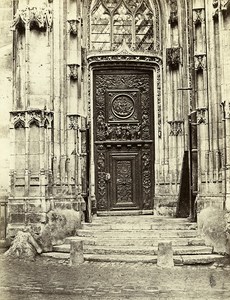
{"points": [[124, 59]]}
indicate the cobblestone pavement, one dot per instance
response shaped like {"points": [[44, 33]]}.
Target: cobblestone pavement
{"points": [[44, 279]]}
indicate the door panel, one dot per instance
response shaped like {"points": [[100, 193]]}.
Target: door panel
{"points": [[123, 122], [124, 189]]}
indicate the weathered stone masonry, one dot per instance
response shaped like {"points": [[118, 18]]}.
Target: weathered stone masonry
{"points": [[58, 47]]}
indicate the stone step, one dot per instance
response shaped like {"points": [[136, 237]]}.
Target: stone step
{"points": [[141, 250], [136, 241], [138, 234], [178, 259], [137, 219], [140, 226], [56, 255], [125, 213]]}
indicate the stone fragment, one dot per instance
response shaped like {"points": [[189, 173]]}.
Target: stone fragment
{"points": [[24, 246], [165, 255], [76, 253]]}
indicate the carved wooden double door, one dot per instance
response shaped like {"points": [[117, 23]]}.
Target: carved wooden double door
{"points": [[123, 122]]}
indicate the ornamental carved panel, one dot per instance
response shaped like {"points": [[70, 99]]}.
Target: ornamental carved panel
{"points": [[122, 113], [124, 184], [123, 124]]}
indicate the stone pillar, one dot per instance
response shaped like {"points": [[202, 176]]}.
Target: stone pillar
{"points": [[76, 253], [165, 255]]}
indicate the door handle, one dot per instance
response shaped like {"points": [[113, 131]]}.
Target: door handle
{"points": [[107, 176]]}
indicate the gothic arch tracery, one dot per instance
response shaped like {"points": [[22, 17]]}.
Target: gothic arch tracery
{"points": [[137, 23]]}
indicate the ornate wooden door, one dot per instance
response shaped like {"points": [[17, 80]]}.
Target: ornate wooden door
{"points": [[123, 122]]}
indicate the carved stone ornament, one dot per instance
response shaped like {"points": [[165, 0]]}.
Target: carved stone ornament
{"points": [[73, 24], [220, 5], [18, 119], [123, 54], [222, 107], [176, 127], [200, 62], [173, 57], [224, 4], [198, 16], [201, 115], [146, 178], [73, 122], [101, 180], [21, 119], [42, 17], [73, 71], [173, 18]]}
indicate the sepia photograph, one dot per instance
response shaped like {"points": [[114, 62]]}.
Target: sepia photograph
{"points": [[114, 149]]}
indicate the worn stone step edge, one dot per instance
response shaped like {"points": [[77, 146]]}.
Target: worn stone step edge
{"points": [[178, 259], [124, 213], [141, 233], [139, 220], [193, 250], [127, 241], [185, 226]]}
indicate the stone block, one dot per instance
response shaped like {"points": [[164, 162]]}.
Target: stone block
{"points": [[17, 218], [33, 218], [212, 225], [17, 208], [165, 255], [33, 207], [76, 253]]}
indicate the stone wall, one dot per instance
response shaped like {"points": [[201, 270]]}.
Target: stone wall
{"points": [[6, 13]]}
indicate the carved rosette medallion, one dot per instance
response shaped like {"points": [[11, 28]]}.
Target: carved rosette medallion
{"points": [[123, 106]]}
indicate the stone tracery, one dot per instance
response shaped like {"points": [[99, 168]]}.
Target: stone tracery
{"points": [[134, 22]]}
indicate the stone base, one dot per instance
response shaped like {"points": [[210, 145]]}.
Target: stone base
{"points": [[212, 224], [165, 205], [203, 202]]}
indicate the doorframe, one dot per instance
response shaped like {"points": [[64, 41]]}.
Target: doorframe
{"points": [[125, 59]]}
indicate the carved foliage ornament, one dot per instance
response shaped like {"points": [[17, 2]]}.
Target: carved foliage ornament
{"points": [[140, 128], [146, 179], [73, 71], [198, 16], [220, 5], [73, 122], [173, 18], [42, 17], [173, 57], [201, 115], [124, 182], [73, 26], [101, 179], [200, 62], [176, 128]]}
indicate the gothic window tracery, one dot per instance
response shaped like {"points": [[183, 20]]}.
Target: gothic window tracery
{"points": [[116, 21]]}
